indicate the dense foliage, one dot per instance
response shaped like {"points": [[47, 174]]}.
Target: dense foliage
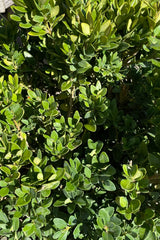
{"points": [[80, 120]]}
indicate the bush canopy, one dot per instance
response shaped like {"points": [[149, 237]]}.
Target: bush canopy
{"points": [[80, 120]]}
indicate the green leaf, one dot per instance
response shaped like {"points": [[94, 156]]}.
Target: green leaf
{"points": [[91, 126], [151, 236], [60, 173], [26, 155], [52, 185], [154, 160], [63, 235], [59, 223], [25, 25], [45, 105], [4, 191], [103, 158], [87, 172], [76, 116], [122, 202], [85, 29], [38, 19], [109, 185], [72, 68], [40, 176], [17, 110], [157, 31], [66, 85], [15, 18], [54, 136], [46, 193], [104, 215], [134, 205], [107, 236], [76, 232], [74, 144], [96, 69], [149, 214], [3, 217], [42, 211], [19, 192], [57, 234], [127, 185], [32, 94], [20, 9], [154, 43], [155, 62], [15, 224], [37, 160], [105, 26], [84, 66], [29, 229], [22, 201], [145, 48], [54, 11], [37, 34], [6, 170]]}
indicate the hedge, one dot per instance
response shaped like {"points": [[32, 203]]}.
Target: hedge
{"points": [[80, 120]]}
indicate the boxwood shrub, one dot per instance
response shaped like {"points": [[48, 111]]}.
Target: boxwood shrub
{"points": [[80, 120]]}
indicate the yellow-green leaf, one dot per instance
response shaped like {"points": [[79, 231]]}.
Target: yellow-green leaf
{"points": [[85, 29]]}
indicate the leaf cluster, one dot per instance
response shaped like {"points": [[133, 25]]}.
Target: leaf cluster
{"points": [[79, 120]]}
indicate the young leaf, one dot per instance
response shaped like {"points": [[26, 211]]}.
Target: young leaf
{"points": [[85, 29]]}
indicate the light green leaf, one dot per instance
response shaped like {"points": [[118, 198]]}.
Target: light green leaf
{"points": [[105, 25], [17, 110], [45, 105], [76, 232], [85, 29], [87, 172], [157, 31], [3, 217], [15, 18], [26, 155], [38, 19], [37, 34], [91, 127], [25, 25], [155, 62], [109, 185], [22, 201], [32, 94], [122, 202], [54, 11], [20, 9], [127, 185], [76, 116], [6, 170], [96, 69], [107, 236], [103, 158], [59, 223], [4, 191], [66, 85], [29, 229], [15, 224], [52, 185]]}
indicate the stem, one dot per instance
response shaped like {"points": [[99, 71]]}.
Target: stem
{"points": [[71, 101]]}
